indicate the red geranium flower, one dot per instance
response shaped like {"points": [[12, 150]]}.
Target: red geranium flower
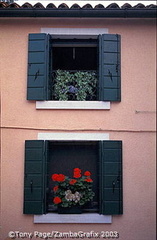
{"points": [[57, 200], [61, 178], [72, 181], [88, 180], [55, 188], [78, 170], [54, 177], [77, 175], [58, 177], [87, 173]]}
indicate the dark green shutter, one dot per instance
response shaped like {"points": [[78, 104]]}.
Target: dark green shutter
{"points": [[34, 179], [111, 199], [38, 67], [109, 67]]}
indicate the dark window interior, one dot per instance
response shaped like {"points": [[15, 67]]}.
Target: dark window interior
{"points": [[74, 54], [64, 157], [75, 58]]}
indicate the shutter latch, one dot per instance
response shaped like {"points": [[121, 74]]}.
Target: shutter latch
{"points": [[113, 186], [110, 74], [31, 183], [117, 65], [36, 75]]}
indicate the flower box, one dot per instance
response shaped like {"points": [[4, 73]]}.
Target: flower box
{"points": [[70, 210]]}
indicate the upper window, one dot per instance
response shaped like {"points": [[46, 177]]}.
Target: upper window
{"points": [[74, 69]]}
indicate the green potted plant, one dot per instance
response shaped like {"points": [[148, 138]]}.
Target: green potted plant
{"points": [[70, 194], [79, 86]]}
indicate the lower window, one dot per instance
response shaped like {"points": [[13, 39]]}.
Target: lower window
{"points": [[100, 162]]}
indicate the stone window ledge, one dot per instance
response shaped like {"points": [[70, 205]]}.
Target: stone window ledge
{"points": [[84, 105], [72, 218]]}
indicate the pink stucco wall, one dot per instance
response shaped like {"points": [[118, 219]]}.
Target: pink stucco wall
{"points": [[20, 121]]}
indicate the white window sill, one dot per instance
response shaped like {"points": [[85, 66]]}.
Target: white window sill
{"points": [[72, 218], [98, 105]]}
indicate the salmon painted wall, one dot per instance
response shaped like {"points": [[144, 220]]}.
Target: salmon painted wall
{"points": [[132, 121]]}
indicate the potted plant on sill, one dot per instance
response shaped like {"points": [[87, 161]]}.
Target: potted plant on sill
{"points": [[79, 86], [70, 194]]}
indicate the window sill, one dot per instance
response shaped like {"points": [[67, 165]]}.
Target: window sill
{"points": [[97, 105], [72, 218]]}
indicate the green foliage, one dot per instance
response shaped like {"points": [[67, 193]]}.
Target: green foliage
{"points": [[80, 85]]}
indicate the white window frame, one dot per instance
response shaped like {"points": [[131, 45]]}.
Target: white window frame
{"points": [[73, 218], [78, 33]]}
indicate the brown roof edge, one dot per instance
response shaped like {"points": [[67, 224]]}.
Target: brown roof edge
{"points": [[87, 11]]}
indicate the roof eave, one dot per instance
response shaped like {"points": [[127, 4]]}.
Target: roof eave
{"points": [[79, 13]]}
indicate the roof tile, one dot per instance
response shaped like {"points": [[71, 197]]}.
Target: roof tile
{"points": [[26, 5], [126, 6], [75, 6], [3, 4], [13, 5], [139, 5], [99, 6], [63, 5], [87, 6], [113, 5], [50, 5], [38, 5], [151, 6]]}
